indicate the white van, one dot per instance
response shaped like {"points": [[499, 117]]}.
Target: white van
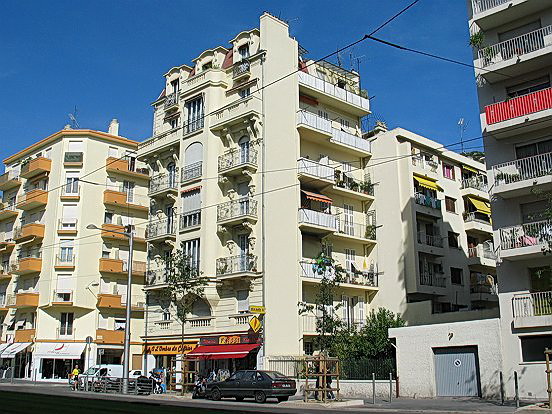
{"points": [[107, 370]]}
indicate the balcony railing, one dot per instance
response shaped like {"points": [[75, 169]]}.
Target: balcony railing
{"points": [[192, 171], [12, 175], [424, 163], [195, 124], [156, 277], [160, 140], [73, 157], [314, 121], [235, 158], [67, 224], [525, 235], [241, 68], [315, 169], [479, 6], [200, 322], [171, 99], [244, 206], [482, 252], [349, 183], [65, 260], [236, 264], [159, 228], [333, 90], [478, 182], [163, 182], [350, 140], [433, 240], [318, 218], [357, 230], [427, 201], [523, 169], [432, 279], [526, 305], [62, 296], [4, 207], [477, 217], [308, 270], [518, 46], [519, 106], [190, 219]]}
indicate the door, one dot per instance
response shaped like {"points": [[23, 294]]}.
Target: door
{"points": [[169, 211], [128, 188], [457, 372], [348, 227], [171, 170], [243, 245], [244, 149]]}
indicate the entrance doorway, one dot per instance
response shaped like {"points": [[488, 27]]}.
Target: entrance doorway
{"points": [[457, 372]]}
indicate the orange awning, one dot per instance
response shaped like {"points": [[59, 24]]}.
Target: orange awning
{"points": [[187, 190], [317, 197]]}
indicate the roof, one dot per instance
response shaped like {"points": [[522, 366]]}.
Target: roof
{"points": [[218, 48], [244, 32], [70, 132]]}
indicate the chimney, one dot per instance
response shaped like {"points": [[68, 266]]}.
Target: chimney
{"points": [[113, 127], [67, 126], [378, 129]]}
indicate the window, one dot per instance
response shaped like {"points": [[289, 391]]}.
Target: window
{"points": [[108, 217], [244, 51], [128, 189], [66, 251], [71, 183], [242, 297], [541, 279], [455, 276], [308, 349], [536, 148], [450, 204], [533, 346], [448, 171], [528, 87], [175, 85], [453, 239], [69, 214], [350, 255], [327, 249], [191, 249], [194, 109], [66, 326], [341, 84], [207, 65], [120, 324], [106, 250], [532, 212], [166, 315], [174, 122], [244, 93]]}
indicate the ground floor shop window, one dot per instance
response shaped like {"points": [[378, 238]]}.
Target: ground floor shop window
{"points": [[110, 356], [533, 346], [59, 368]]}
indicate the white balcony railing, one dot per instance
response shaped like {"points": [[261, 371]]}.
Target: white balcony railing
{"points": [[350, 140], [481, 251], [480, 6], [525, 235], [478, 182], [333, 90], [315, 169], [523, 169], [425, 163], [318, 218], [199, 322], [518, 46], [526, 305], [241, 319], [314, 121], [436, 279], [359, 230]]}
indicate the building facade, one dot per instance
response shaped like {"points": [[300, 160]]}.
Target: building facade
{"points": [[512, 49], [63, 286]]}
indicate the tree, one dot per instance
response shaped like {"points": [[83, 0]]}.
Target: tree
{"points": [[478, 156]]}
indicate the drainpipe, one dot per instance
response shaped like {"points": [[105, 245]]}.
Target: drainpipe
{"points": [[263, 225]]}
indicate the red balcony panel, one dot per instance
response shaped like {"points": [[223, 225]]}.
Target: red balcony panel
{"points": [[522, 105]]}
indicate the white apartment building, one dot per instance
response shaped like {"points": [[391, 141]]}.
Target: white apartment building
{"points": [[256, 168], [434, 212], [513, 70], [63, 286]]}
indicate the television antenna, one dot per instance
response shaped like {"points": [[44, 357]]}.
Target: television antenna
{"points": [[355, 60], [463, 125], [73, 118]]}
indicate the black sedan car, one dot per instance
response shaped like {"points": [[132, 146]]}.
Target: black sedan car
{"points": [[253, 384]]}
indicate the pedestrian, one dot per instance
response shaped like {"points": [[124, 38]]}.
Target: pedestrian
{"points": [[330, 393], [75, 377]]}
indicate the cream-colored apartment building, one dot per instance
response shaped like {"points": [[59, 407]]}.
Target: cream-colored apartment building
{"points": [[257, 168], [63, 286], [433, 206], [513, 70]]}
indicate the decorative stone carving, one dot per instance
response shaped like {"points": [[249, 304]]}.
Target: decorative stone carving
{"points": [[171, 243], [231, 246], [223, 180], [232, 194], [173, 197], [247, 226], [247, 173], [252, 242], [252, 189]]}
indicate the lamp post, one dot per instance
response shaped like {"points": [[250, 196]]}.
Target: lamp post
{"points": [[126, 353]]}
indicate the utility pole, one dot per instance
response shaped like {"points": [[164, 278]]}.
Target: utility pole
{"points": [[126, 355]]}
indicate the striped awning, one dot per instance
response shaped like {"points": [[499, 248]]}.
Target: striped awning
{"points": [[427, 183], [480, 205], [317, 197]]}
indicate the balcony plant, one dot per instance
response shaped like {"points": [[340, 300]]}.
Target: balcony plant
{"points": [[370, 233], [366, 187], [477, 39]]}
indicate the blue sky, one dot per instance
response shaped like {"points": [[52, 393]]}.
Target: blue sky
{"points": [[108, 57]]}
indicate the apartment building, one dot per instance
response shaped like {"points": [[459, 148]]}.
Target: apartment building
{"points": [[513, 70], [256, 169], [433, 206], [63, 286]]}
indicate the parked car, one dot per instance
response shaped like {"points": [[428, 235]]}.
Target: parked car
{"points": [[253, 384]]}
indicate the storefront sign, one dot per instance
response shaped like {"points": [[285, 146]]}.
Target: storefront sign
{"points": [[170, 349], [257, 309], [230, 340]]}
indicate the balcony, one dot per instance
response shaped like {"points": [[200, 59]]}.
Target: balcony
{"points": [[109, 336], [532, 310], [65, 262], [161, 229], [425, 165], [156, 277], [517, 178], [334, 95], [245, 110], [481, 256], [317, 222], [27, 265], [33, 199], [480, 6], [191, 172], [70, 192], [9, 180], [22, 300], [8, 211], [351, 188], [525, 241], [36, 166], [244, 265], [205, 78], [25, 335], [351, 143], [120, 267], [430, 243], [163, 183], [117, 302], [235, 212], [355, 280], [171, 100], [125, 200], [28, 232], [73, 159], [113, 232], [490, 14], [315, 174], [483, 290], [478, 223], [160, 141], [430, 205], [515, 56], [241, 70], [476, 185], [126, 167], [433, 279], [190, 220], [62, 297], [235, 162], [200, 324], [356, 232]]}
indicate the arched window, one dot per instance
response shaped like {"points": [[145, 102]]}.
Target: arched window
{"points": [[193, 159], [201, 308]]}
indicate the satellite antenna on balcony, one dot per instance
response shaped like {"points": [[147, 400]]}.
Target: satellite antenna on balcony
{"points": [[463, 124], [73, 119]]}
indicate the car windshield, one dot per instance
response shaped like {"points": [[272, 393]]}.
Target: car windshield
{"points": [[275, 375], [91, 371]]}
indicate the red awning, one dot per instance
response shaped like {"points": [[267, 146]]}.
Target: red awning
{"points": [[317, 197], [221, 351], [187, 190]]}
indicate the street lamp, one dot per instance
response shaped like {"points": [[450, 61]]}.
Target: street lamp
{"points": [[126, 356]]}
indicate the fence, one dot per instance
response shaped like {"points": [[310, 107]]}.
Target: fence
{"points": [[523, 169], [136, 386], [532, 304], [479, 6]]}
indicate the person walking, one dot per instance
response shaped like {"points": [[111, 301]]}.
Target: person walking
{"points": [[75, 377]]}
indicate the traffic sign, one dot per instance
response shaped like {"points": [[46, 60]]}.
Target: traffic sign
{"points": [[257, 309], [255, 324]]}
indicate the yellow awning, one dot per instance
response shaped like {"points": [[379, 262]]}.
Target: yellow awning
{"points": [[471, 169], [481, 206], [428, 183]]}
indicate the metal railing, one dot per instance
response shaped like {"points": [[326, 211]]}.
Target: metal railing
{"points": [[477, 217], [350, 140], [424, 163], [236, 264], [160, 228], [244, 206], [162, 182], [4, 207], [357, 230], [434, 240], [432, 279], [525, 235], [479, 6], [136, 386], [62, 296], [317, 218], [523, 169], [309, 270], [65, 260], [191, 172], [73, 157], [171, 99], [314, 121], [241, 68], [237, 157], [526, 305], [349, 183], [518, 46], [190, 219], [482, 252], [156, 277], [478, 182], [315, 169], [427, 201]]}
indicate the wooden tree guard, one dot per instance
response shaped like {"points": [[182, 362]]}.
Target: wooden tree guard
{"points": [[547, 354], [318, 369]]}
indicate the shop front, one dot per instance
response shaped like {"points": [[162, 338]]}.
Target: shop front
{"points": [[16, 357], [54, 361], [164, 354]]}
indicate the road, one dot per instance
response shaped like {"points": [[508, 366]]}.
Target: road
{"points": [[40, 398]]}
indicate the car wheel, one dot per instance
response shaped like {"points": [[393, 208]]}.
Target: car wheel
{"points": [[239, 399], [281, 399], [215, 394], [260, 397]]}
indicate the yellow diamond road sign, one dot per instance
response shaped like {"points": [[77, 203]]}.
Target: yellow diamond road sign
{"points": [[257, 309], [255, 324]]}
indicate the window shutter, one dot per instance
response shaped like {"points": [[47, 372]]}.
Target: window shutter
{"points": [[345, 304], [243, 300], [75, 146]]}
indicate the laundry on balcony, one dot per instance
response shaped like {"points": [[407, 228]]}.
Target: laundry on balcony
{"points": [[481, 206], [317, 197], [427, 183]]}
